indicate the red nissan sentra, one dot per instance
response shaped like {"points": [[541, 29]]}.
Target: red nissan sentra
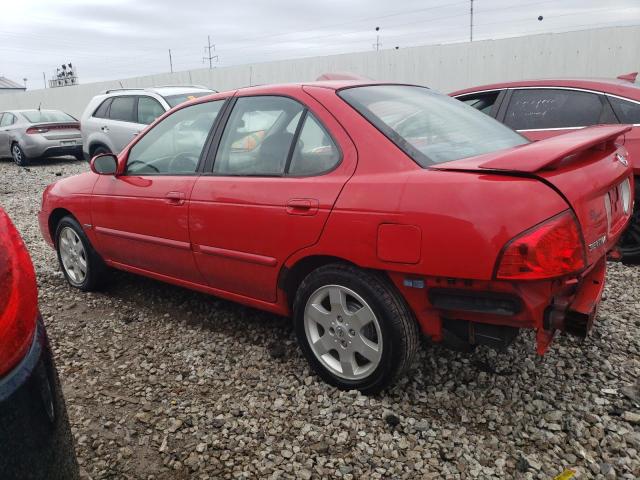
{"points": [[368, 212]]}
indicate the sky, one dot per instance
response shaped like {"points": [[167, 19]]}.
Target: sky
{"points": [[117, 39]]}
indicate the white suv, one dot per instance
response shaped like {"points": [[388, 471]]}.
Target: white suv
{"points": [[115, 116]]}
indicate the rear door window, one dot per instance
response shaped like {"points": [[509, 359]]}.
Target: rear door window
{"points": [[7, 120], [315, 152], [541, 109], [148, 110], [258, 136], [481, 101], [103, 110], [625, 110], [123, 108]]}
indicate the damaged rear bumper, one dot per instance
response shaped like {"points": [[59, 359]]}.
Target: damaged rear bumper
{"points": [[576, 314]]}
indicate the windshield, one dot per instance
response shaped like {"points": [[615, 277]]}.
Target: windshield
{"points": [[47, 116], [174, 100], [429, 127]]}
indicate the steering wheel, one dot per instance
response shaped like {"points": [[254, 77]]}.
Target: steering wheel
{"points": [[183, 163], [144, 163]]}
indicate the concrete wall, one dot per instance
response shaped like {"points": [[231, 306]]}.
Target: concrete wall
{"points": [[605, 52]]}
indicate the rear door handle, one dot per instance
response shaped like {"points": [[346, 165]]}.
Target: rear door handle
{"points": [[175, 198], [302, 206]]}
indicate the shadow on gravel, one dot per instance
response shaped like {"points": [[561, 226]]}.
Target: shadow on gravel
{"points": [[197, 309], [52, 161]]}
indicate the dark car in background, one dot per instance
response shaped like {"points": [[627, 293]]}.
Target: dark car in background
{"points": [[540, 109], [35, 437]]}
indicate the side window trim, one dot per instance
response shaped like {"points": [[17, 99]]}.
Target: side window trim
{"points": [[222, 120], [294, 142], [210, 149], [503, 112]]}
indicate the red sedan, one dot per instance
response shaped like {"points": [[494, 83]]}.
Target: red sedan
{"points": [[368, 212], [541, 109]]}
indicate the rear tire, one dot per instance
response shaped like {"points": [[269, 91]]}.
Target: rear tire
{"points": [[80, 263], [354, 328], [629, 244], [99, 150], [19, 157]]}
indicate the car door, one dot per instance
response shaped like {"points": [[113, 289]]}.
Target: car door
{"points": [[274, 175], [140, 216], [488, 102], [539, 113], [121, 124]]}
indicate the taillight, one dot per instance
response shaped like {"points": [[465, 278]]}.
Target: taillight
{"points": [[32, 130], [551, 249], [18, 297]]}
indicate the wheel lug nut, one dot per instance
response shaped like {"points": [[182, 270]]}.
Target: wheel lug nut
{"points": [[352, 332], [339, 318]]}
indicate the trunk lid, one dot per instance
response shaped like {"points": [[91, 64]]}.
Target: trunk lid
{"points": [[586, 167], [56, 131]]}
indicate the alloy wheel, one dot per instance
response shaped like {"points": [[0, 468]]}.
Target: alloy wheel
{"points": [[16, 153], [73, 256], [343, 332]]}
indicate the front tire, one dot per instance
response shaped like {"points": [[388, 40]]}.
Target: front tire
{"points": [[19, 157], [354, 328], [81, 265]]}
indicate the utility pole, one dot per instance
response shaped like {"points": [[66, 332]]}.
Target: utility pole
{"points": [[471, 24], [377, 45], [170, 61], [208, 49], [44, 79]]}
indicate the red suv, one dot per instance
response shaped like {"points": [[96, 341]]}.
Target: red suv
{"points": [[540, 109], [369, 212]]}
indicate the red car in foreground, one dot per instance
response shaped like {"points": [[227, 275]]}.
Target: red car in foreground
{"points": [[369, 212], [540, 109]]}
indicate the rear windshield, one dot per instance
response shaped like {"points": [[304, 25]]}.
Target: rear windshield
{"points": [[174, 100], [47, 116], [430, 127]]}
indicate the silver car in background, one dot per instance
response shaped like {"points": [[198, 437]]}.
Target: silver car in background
{"points": [[114, 117], [30, 134]]}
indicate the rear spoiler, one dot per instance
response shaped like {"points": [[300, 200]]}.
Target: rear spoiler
{"points": [[544, 154], [629, 77]]}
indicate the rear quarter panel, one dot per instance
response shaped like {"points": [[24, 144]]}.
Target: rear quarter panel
{"points": [[464, 218]]}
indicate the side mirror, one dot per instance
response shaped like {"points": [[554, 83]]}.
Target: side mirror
{"points": [[104, 164]]}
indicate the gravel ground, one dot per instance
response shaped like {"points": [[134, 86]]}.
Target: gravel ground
{"points": [[165, 383]]}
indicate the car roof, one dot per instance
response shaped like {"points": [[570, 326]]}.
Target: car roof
{"points": [[608, 85], [27, 110], [163, 90]]}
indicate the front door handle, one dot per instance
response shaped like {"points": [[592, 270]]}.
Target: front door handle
{"points": [[302, 206], [175, 198]]}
